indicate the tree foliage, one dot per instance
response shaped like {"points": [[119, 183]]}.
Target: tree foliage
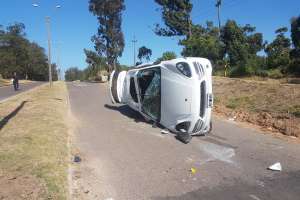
{"points": [[295, 52], [176, 17], [73, 74], [18, 54], [96, 64], [203, 43], [278, 50], [144, 53], [168, 55], [241, 44], [109, 40], [295, 31]]}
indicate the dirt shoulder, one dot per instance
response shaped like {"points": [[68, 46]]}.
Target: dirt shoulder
{"points": [[268, 104], [33, 144]]}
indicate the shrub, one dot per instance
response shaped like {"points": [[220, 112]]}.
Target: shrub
{"points": [[275, 73], [295, 110], [262, 73]]}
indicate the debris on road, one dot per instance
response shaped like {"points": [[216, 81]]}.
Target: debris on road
{"points": [[77, 159], [164, 131], [193, 170], [275, 167]]}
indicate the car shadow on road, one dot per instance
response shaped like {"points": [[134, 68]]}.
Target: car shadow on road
{"points": [[137, 117], [128, 112], [6, 119]]}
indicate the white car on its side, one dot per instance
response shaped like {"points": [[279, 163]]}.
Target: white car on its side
{"points": [[176, 94]]}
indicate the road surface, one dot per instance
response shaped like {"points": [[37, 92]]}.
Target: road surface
{"points": [[124, 157], [8, 91]]}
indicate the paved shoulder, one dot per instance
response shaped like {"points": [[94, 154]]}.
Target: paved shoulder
{"points": [[8, 91]]}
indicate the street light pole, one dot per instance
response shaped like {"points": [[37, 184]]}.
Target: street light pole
{"points": [[47, 20], [134, 56], [49, 49], [218, 5]]}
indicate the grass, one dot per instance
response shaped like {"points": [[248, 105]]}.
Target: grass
{"points": [[239, 102], [34, 137], [295, 110], [268, 103]]}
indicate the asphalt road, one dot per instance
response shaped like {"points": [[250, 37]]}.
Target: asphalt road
{"points": [[8, 91], [124, 157]]}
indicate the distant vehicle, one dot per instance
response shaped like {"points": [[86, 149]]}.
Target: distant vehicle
{"points": [[176, 94]]}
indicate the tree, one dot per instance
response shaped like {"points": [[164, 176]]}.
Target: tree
{"points": [[73, 74], [37, 67], [241, 47], [168, 55], [16, 29], [295, 32], [278, 50], [204, 43], [18, 54], [109, 41], [144, 53], [94, 60], [295, 52], [176, 17]]}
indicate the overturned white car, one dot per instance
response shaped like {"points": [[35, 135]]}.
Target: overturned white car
{"points": [[176, 94]]}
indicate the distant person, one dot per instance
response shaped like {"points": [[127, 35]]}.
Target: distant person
{"points": [[16, 81]]}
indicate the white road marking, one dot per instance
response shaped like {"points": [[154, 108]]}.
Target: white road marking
{"points": [[254, 197], [217, 152]]}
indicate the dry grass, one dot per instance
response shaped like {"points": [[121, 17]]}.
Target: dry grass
{"points": [[33, 141], [267, 103], [4, 82]]}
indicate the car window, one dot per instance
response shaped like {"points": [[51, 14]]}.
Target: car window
{"points": [[149, 81], [132, 90]]}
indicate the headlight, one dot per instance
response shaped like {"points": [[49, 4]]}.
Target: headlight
{"points": [[184, 68]]}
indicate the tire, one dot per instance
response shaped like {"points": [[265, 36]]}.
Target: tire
{"points": [[210, 128], [184, 137]]}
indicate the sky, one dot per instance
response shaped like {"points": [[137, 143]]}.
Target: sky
{"points": [[72, 25]]}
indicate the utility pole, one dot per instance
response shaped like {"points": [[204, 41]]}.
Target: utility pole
{"points": [[58, 62], [49, 49], [134, 41], [36, 5], [218, 5]]}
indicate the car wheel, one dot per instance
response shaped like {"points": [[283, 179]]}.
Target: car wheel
{"points": [[210, 128], [184, 137]]}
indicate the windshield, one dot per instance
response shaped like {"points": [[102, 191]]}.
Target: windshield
{"points": [[150, 91]]}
